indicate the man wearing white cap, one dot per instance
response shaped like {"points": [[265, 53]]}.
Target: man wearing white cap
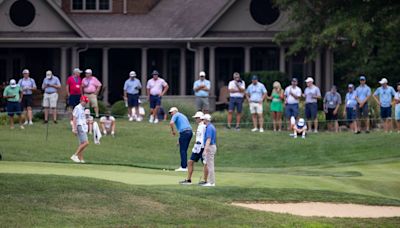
{"points": [[182, 125], [384, 97], [300, 128], [197, 151], [312, 94], [131, 95], [73, 88], [210, 149], [91, 87], [27, 85], [201, 90], [50, 85], [13, 95]]}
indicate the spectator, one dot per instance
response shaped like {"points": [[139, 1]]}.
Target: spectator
{"points": [[131, 95], [28, 85], [332, 102], [156, 89], [256, 94], [91, 87], [13, 94], [80, 128], [300, 128], [210, 149], [107, 124], [397, 107], [363, 93], [276, 106], [197, 152], [292, 97], [384, 95], [312, 94], [351, 108], [201, 90], [237, 89], [73, 89], [161, 114], [50, 84], [185, 135], [89, 120]]}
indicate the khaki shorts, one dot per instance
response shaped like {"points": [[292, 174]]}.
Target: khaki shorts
{"points": [[256, 108], [50, 100], [92, 100]]}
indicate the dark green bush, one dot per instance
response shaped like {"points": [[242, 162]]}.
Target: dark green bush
{"points": [[118, 109], [268, 78]]}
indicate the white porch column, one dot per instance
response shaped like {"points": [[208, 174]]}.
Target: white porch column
{"points": [[201, 61], [318, 78], [282, 62], [247, 59], [74, 57], [212, 70], [144, 70], [328, 69], [182, 72], [105, 74], [63, 62]]}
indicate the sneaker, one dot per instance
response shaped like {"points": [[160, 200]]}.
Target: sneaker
{"points": [[295, 136], [71, 123], [228, 127], [254, 129], [315, 131], [131, 119], [237, 128], [30, 122], [180, 169], [83, 161], [151, 120], [357, 132], [45, 122], [202, 182], [367, 131], [139, 119], [303, 137], [292, 135], [156, 121], [75, 158], [261, 130], [55, 121], [208, 185], [22, 127], [26, 122], [185, 182]]}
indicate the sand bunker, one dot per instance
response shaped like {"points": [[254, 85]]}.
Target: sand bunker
{"points": [[326, 209]]}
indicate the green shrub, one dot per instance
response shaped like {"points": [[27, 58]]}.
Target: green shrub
{"points": [[268, 78], [102, 108], [38, 116], [186, 108], [118, 109]]}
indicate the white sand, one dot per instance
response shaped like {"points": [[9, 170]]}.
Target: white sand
{"points": [[326, 209]]}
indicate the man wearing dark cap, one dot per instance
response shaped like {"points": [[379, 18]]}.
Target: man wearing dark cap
{"points": [[156, 88], [363, 93], [292, 97]]}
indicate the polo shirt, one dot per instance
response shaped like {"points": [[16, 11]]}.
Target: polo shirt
{"points": [[289, 98], [236, 85], [52, 81], [256, 92], [12, 91], [107, 121], [309, 92], [363, 92], [350, 100], [132, 86], [397, 97], [332, 99], [90, 84], [211, 133], [385, 96], [202, 93], [79, 114], [156, 86], [74, 84], [181, 122], [27, 83]]}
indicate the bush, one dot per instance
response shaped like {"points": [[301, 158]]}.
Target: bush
{"points": [[268, 78], [118, 109], [102, 108], [187, 108], [38, 116]]}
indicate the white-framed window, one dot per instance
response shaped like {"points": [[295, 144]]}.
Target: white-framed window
{"points": [[91, 5]]}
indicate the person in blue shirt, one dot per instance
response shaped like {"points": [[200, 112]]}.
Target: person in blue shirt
{"points": [[363, 93], [210, 149], [384, 97], [201, 90], [131, 95], [182, 125], [51, 84], [256, 94], [351, 108]]}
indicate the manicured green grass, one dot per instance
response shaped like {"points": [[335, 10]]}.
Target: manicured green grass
{"points": [[124, 184]]}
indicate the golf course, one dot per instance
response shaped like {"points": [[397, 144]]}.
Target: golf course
{"points": [[128, 181]]}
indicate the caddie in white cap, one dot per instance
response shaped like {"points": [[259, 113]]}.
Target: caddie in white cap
{"points": [[201, 90], [384, 97], [132, 88], [197, 151]]}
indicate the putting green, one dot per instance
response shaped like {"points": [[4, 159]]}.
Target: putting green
{"points": [[375, 180]]}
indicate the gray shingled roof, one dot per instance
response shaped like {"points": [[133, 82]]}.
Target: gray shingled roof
{"points": [[168, 19]]}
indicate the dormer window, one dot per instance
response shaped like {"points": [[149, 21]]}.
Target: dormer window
{"points": [[91, 5]]}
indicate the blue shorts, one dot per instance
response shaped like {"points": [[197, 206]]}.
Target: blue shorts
{"points": [[235, 102], [13, 108], [197, 156], [74, 100], [311, 111], [351, 114], [155, 101], [362, 112], [386, 112], [292, 110], [133, 100]]}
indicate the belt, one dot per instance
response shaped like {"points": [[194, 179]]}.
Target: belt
{"points": [[51, 93], [133, 94], [186, 129], [89, 93]]}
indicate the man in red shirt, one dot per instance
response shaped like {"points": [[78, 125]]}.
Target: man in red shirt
{"points": [[74, 89]]}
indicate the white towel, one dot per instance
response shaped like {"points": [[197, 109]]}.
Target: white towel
{"points": [[96, 133]]}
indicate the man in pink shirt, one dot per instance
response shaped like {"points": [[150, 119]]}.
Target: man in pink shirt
{"points": [[74, 89], [90, 87], [156, 88]]}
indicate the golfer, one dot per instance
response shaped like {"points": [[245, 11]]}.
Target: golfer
{"points": [[80, 129], [210, 148], [185, 135], [197, 152]]}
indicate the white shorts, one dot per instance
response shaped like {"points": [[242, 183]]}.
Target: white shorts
{"points": [[256, 108], [50, 100]]}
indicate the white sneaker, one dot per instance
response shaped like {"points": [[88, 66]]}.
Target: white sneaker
{"points": [[261, 130], [82, 161], [22, 127], [71, 122], [139, 119], [131, 118], [295, 136], [30, 122], [26, 122], [303, 137], [254, 129], [156, 121], [75, 158], [180, 169], [151, 120], [208, 185], [315, 131]]}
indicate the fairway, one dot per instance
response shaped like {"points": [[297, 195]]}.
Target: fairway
{"points": [[251, 167]]}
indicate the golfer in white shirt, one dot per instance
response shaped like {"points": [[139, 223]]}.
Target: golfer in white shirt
{"points": [[80, 129]]}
